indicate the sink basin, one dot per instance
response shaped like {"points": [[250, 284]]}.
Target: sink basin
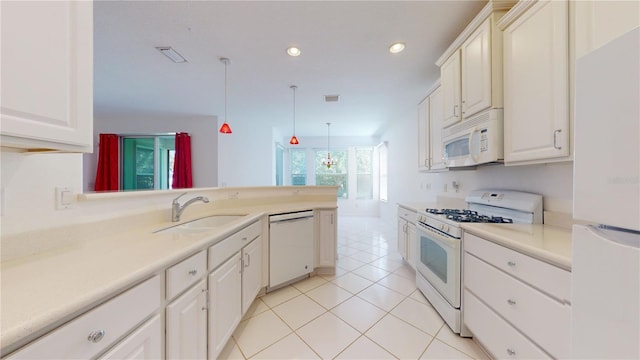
{"points": [[203, 224]]}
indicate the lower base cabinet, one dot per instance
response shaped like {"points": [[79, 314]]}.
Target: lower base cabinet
{"points": [[186, 325], [144, 343], [225, 307]]}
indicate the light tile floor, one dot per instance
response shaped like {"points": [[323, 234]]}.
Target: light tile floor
{"points": [[370, 309]]}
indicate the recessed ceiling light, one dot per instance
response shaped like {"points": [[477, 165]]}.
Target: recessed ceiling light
{"points": [[171, 54], [396, 47], [293, 51]]}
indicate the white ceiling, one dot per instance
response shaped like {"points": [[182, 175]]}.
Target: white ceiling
{"points": [[344, 51]]}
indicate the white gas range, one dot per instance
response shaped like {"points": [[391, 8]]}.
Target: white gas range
{"points": [[439, 267]]}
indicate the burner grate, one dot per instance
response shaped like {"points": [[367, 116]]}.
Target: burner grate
{"points": [[469, 216]]}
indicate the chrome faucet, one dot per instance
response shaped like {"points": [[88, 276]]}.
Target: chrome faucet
{"points": [[177, 209]]}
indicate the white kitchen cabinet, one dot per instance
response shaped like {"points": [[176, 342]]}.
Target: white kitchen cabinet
{"points": [[225, 303], [407, 235], [186, 324], [95, 331], [327, 238], [536, 83], [251, 272], [423, 135], [143, 344], [513, 304], [436, 159], [597, 22], [451, 89], [471, 68], [47, 75], [476, 71]]}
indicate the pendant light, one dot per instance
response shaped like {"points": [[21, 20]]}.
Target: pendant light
{"points": [[294, 139], [225, 129], [328, 161]]}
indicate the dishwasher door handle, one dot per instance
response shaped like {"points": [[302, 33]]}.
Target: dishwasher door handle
{"points": [[290, 219]]}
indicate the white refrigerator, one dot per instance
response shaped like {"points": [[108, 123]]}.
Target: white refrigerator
{"points": [[605, 309]]}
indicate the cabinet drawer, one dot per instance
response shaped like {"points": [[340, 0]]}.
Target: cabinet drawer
{"points": [[221, 251], [185, 274], [543, 319], [496, 335], [407, 214], [548, 278], [114, 319]]}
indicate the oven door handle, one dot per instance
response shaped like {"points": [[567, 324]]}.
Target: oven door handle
{"points": [[448, 241]]}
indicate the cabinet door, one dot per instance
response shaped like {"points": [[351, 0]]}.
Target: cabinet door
{"points": [[450, 80], [402, 237], [187, 324], [144, 343], [328, 238], [412, 245], [423, 135], [47, 75], [225, 302], [476, 71], [595, 26], [536, 84], [435, 130], [251, 272]]}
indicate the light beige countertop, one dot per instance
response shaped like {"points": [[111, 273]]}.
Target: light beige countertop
{"points": [[548, 243], [42, 290]]}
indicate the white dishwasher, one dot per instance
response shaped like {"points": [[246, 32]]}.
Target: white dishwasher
{"points": [[290, 246]]}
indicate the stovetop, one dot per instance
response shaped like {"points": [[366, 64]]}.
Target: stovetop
{"points": [[468, 216]]}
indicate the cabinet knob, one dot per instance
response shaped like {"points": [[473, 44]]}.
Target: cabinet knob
{"points": [[511, 263], [511, 302], [96, 336], [511, 352], [193, 272], [244, 238]]}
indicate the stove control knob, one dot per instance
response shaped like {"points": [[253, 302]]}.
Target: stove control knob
{"points": [[448, 229], [441, 226]]}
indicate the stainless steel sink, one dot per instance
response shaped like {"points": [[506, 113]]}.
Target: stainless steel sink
{"points": [[203, 224]]}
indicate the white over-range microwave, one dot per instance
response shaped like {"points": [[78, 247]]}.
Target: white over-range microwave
{"points": [[474, 141]]}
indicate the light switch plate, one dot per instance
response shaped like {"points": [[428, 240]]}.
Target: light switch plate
{"points": [[65, 198]]}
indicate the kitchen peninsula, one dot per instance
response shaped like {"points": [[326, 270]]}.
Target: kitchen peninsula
{"points": [[55, 279]]}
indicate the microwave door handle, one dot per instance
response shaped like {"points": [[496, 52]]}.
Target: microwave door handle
{"points": [[474, 157]]}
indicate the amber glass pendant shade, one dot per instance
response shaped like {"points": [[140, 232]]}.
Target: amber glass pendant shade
{"points": [[225, 129]]}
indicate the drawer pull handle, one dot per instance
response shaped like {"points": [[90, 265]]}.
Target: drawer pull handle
{"points": [[511, 263], [511, 302], [244, 238], [511, 352], [96, 336], [193, 272]]}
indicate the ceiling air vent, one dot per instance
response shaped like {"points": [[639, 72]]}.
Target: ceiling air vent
{"points": [[331, 98]]}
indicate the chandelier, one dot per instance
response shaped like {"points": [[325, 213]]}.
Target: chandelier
{"points": [[328, 161]]}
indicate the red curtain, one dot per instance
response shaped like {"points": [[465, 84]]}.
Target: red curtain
{"points": [[182, 162], [107, 175]]}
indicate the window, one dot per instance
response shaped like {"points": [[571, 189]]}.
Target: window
{"points": [[147, 162], [279, 160], [336, 175], [364, 174], [298, 167], [383, 154]]}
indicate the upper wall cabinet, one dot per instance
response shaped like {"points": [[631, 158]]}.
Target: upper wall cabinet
{"points": [[471, 68], [430, 119], [47, 75], [536, 82], [598, 22]]}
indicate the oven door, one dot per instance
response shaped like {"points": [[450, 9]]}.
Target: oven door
{"points": [[439, 262]]}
